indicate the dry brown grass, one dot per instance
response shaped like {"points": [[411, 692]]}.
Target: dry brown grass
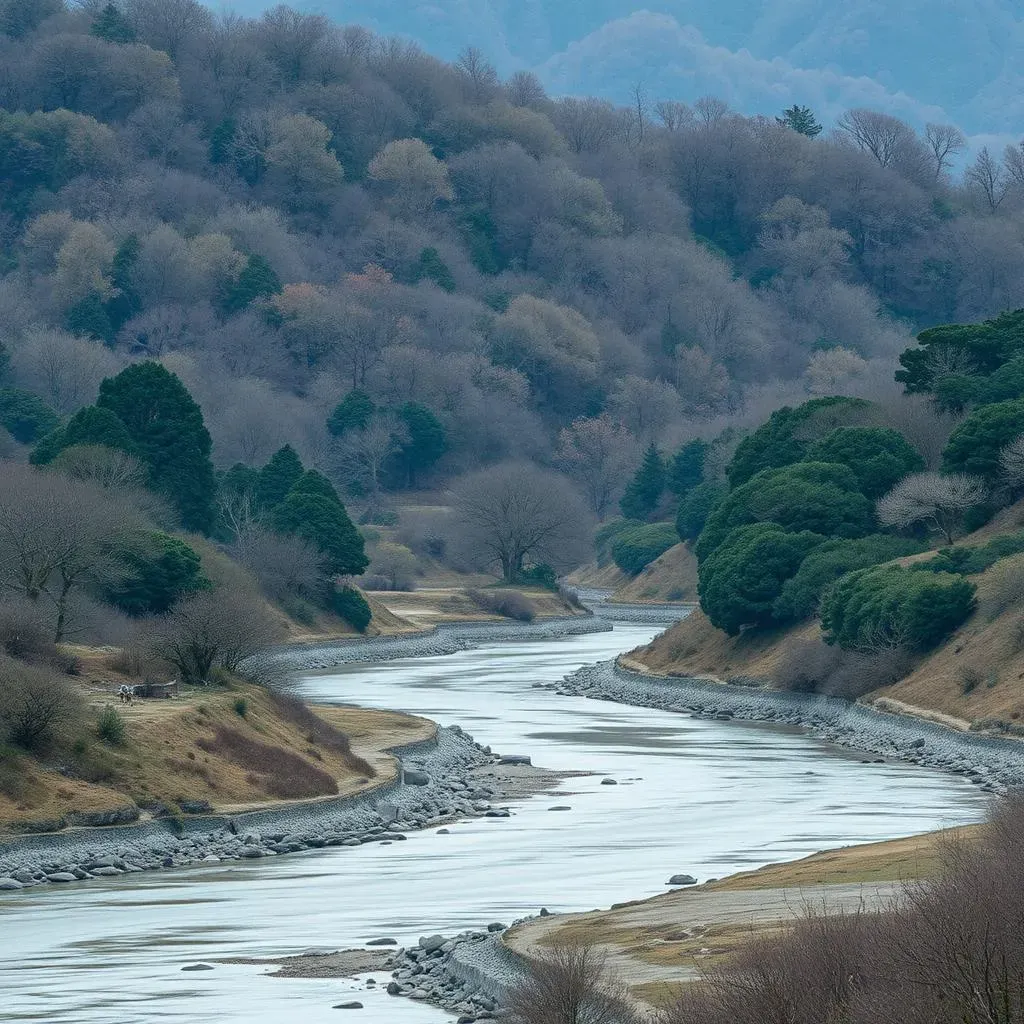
{"points": [[164, 757], [671, 577]]}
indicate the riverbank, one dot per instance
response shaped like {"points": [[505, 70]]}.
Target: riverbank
{"points": [[993, 764], [120, 839]]}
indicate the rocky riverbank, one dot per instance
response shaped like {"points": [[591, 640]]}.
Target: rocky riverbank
{"points": [[446, 638], [439, 781], [995, 765]]}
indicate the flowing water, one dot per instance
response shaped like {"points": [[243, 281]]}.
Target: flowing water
{"points": [[701, 797]]}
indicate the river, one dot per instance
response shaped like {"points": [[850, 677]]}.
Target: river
{"points": [[695, 796]]}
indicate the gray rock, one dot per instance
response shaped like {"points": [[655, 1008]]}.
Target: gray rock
{"points": [[544, 912], [444, 832], [419, 993], [8, 884], [515, 759], [24, 876], [394, 988], [107, 872], [354, 1005], [500, 812], [62, 876], [250, 852], [560, 807], [382, 942], [682, 880], [412, 777], [496, 926], [432, 942], [608, 782], [198, 967]]}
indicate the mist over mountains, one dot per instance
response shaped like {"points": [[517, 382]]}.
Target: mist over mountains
{"points": [[923, 60]]}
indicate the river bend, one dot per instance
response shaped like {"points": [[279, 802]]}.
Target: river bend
{"points": [[701, 797]]}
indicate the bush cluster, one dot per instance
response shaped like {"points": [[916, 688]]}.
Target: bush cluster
{"points": [[889, 606], [634, 549]]}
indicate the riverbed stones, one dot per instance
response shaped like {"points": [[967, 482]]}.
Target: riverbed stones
{"points": [[432, 943], [515, 759]]}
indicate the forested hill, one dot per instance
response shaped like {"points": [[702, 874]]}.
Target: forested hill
{"points": [[285, 210]]}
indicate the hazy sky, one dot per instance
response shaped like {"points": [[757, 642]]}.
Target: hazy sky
{"points": [[956, 60]]}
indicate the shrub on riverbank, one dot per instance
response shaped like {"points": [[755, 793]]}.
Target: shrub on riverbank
{"points": [[508, 603], [889, 606], [633, 550]]}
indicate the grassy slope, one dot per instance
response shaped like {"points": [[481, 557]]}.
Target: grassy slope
{"points": [[173, 752], [672, 577], [990, 644]]}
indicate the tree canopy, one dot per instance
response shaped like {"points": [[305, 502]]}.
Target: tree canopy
{"points": [[168, 433], [741, 580]]}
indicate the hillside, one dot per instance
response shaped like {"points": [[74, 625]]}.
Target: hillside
{"points": [[226, 749], [975, 677], [670, 577]]}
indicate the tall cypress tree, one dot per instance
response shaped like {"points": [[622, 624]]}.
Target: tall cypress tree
{"points": [[166, 426], [646, 488], [277, 478]]}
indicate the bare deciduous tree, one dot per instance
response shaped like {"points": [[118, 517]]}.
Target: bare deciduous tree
{"points": [[57, 534], [214, 629], [570, 984], [1011, 461], [932, 498], [988, 177], [944, 141], [34, 704], [599, 455], [285, 566], [515, 512]]}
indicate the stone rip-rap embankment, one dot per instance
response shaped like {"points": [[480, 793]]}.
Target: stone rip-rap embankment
{"points": [[992, 763]]}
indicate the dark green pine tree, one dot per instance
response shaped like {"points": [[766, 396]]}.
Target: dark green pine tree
{"points": [[113, 26], [324, 523], [257, 280], [646, 488], [802, 120], [353, 412], [427, 440], [89, 317], [125, 302], [166, 426], [686, 470], [312, 482], [277, 478], [92, 426], [432, 268]]}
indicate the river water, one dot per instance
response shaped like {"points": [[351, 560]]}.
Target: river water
{"points": [[701, 797]]}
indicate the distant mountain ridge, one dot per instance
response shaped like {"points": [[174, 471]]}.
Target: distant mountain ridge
{"points": [[962, 60]]}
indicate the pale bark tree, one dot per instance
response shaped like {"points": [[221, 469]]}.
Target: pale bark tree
{"points": [[66, 370], [417, 177], [599, 455], [1011, 461], [988, 177], [516, 513], [363, 454], [945, 141], [932, 498], [57, 535]]}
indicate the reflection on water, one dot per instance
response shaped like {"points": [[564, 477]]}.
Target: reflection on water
{"points": [[704, 797]]}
